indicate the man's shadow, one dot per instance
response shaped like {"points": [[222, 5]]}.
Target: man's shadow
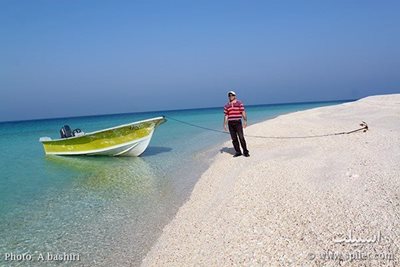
{"points": [[229, 150]]}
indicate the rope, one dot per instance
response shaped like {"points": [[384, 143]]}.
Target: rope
{"points": [[363, 124]]}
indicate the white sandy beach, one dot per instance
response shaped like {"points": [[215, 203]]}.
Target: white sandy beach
{"points": [[295, 199]]}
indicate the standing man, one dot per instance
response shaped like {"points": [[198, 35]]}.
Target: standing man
{"points": [[234, 112]]}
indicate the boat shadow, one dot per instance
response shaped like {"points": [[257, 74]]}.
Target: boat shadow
{"points": [[155, 150], [98, 173]]}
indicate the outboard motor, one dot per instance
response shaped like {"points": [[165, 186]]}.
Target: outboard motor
{"points": [[65, 132]]}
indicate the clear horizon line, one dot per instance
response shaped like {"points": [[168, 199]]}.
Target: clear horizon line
{"points": [[171, 110]]}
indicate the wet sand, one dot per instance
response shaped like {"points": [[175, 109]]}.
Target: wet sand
{"points": [[310, 202]]}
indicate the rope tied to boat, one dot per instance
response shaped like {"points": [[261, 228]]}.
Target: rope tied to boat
{"points": [[363, 127]]}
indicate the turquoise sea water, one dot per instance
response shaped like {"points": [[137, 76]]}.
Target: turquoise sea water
{"points": [[108, 210]]}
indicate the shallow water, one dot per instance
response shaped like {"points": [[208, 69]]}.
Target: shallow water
{"points": [[108, 210]]}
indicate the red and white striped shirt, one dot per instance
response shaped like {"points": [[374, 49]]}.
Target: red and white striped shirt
{"points": [[234, 110]]}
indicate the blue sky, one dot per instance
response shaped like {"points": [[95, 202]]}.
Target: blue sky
{"points": [[73, 58]]}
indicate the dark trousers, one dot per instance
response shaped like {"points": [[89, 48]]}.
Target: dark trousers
{"points": [[236, 130]]}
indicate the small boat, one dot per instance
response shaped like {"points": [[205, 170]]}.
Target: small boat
{"points": [[129, 139]]}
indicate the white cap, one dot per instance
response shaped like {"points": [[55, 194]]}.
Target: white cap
{"points": [[232, 93]]}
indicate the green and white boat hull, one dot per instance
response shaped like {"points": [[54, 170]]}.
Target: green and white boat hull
{"points": [[125, 140]]}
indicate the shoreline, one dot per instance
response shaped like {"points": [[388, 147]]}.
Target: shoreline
{"points": [[289, 200]]}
